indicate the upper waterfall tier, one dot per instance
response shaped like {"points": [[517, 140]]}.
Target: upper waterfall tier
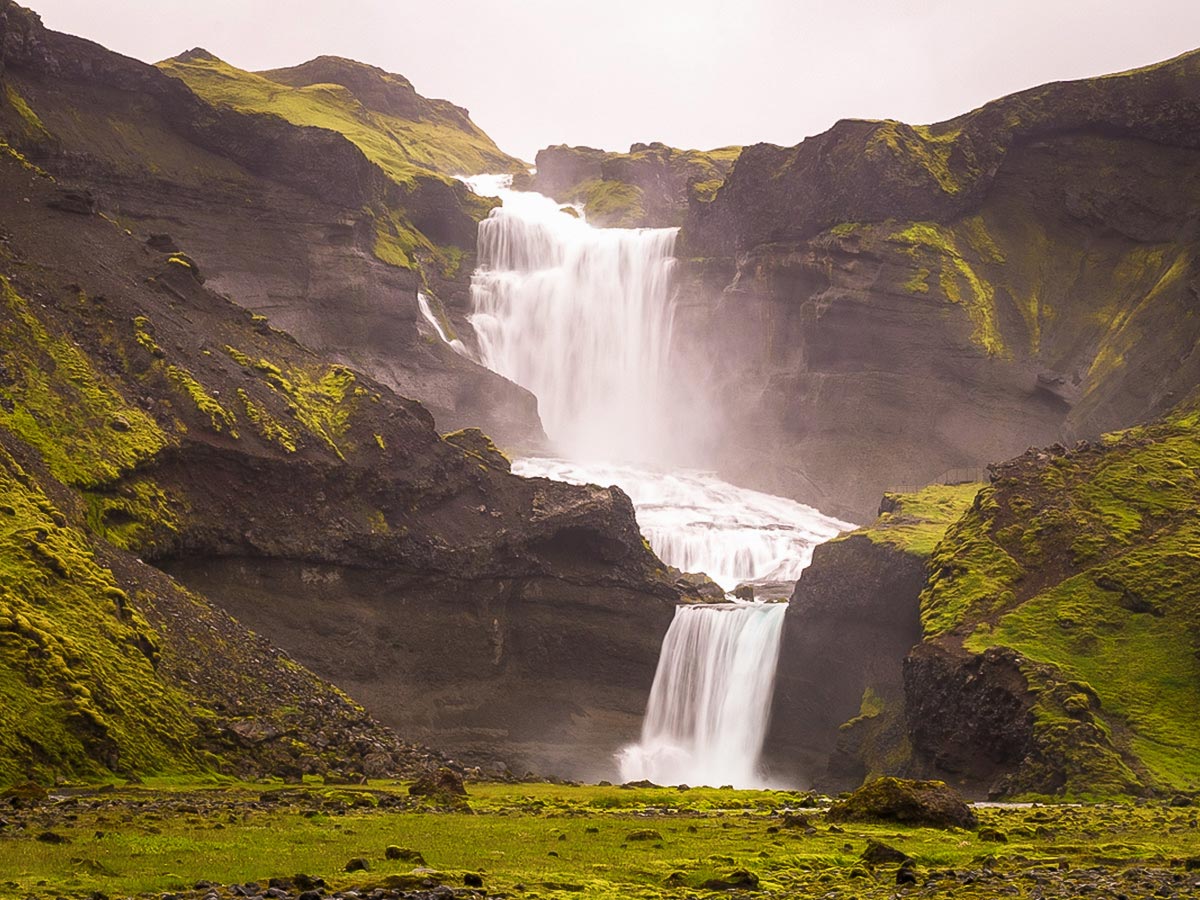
{"points": [[580, 316]]}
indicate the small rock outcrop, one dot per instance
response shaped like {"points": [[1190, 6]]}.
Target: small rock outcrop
{"points": [[930, 804]]}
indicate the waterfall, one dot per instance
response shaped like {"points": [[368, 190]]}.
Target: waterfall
{"points": [[711, 701], [581, 316]]}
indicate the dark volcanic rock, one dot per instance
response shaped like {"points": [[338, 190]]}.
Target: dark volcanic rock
{"points": [[930, 804], [878, 853], [444, 783], [883, 303], [853, 617], [969, 715]]}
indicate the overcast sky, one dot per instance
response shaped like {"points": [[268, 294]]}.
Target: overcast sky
{"points": [[691, 73]]}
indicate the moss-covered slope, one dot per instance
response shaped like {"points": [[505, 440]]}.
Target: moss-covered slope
{"points": [[397, 128], [1082, 564], [325, 208]]}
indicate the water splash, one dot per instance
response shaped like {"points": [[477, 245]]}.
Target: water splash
{"points": [[711, 701], [699, 523], [582, 317]]}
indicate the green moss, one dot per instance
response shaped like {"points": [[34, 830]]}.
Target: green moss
{"points": [[435, 142], [920, 148], [77, 681], [610, 203], [131, 515], [320, 401], [845, 228], [32, 124], [1085, 563], [918, 521], [265, 424], [970, 575], [58, 403], [221, 419], [958, 278], [919, 282]]}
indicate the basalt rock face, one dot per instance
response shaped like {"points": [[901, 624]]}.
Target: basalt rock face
{"points": [[296, 222], [850, 623], [648, 187], [458, 601], [883, 303]]}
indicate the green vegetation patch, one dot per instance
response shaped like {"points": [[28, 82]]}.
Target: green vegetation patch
{"points": [[611, 203], [557, 842], [916, 522], [321, 401], [934, 246], [77, 660], [1085, 563], [435, 143], [54, 399]]}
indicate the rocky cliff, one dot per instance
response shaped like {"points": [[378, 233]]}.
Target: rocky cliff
{"points": [[883, 302], [324, 207], [148, 420], [648, 187], [1053, 633], [837, 715]]}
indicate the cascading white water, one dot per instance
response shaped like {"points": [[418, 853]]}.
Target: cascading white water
{"points": [[711, 701], [581, 316], [699, 523]]}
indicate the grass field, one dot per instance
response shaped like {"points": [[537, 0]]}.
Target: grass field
{"points": [[541, 840]]}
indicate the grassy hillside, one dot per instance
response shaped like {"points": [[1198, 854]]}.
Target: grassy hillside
{"points": [[1085, 562], [434, 139]]}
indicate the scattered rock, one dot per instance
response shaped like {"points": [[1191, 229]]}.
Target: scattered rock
{"points": [[80, 202], [358, 864], [645, 834], [878, 853], [163, 243], [738, 878], [472, 880], [443, 782], [404, 854], [932, 804], [994, 835], [53, 837]]}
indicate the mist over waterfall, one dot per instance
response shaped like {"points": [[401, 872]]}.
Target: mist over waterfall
{"points": [[711, 701], [581, 316]]}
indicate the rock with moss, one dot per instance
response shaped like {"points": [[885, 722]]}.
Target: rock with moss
{"points": [[926, 804], [649, 186]]}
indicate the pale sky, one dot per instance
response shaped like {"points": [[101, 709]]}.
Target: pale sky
{"points": [[690, 73]]}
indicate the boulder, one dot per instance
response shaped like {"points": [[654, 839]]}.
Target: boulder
{"points": [[932, 804]]}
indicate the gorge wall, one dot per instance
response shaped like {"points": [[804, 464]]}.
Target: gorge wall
{"points": [[882, 303]]}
